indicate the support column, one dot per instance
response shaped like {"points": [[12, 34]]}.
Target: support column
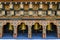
{"points": [[29, 31], [15, 31], [58, 31], [44, 31], [1, 31]]}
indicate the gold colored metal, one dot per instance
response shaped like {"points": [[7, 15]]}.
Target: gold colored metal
{"points": [[23, 27], [49, 27], [10, 27], [36, 26]]}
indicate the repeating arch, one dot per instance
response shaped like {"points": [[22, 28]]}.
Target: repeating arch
{"points": [[37, 30], [22, 30], [51, 29], [8, 29]]}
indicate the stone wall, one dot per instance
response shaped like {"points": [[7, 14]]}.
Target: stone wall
{"points": [[15, 23]]}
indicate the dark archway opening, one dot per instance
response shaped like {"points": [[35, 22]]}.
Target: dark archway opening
{"points": [[37, 31], [22, 31], [8, 31], [51, 31]]}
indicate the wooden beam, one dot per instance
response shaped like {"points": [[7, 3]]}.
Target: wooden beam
{"points": [[29, 0]]}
